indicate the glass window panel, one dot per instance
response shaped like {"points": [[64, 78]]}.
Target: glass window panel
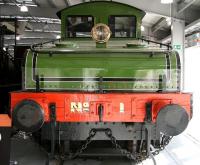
{"points": [[79, 26], [123, 26]]}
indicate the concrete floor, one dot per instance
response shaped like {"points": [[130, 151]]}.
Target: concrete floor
{"points": [[182, 150], [26, 152]]}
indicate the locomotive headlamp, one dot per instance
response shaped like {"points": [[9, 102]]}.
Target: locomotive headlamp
{"points": [[28, 116], [101, 33], [172, 119]]}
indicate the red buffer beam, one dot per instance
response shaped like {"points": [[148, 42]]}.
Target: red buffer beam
{"points": [[88, 107]]}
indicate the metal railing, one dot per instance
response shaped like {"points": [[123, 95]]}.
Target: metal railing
{"points": [[155, 42]]}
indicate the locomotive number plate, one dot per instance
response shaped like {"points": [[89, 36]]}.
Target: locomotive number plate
{"points": [[80, 107]]}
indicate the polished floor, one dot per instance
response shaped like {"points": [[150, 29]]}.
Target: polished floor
{"points": [[182, 150]]}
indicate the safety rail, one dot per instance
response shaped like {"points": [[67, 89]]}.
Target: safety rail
{"points": [[155, 42], [42, 43], [142, 39]]}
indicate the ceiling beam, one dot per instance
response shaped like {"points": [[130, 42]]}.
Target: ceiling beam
{"points": [[43, 31], [74, 2], [14, 2], [33, 35], [69, 2], [4, 1], [154, 7], [188, 29], [191, 28], [158, 25], [29, 41], [184, 5], [35, 1], [66, 3], [40, 25], [33, 19], [163, 9], [8, 10], [52, 4]]}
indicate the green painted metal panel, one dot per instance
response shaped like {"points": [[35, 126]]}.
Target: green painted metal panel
{"points": [[101, 10], [83, 70]]}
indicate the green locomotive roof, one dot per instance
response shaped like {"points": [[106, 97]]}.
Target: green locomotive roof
{"points": [[81, 5], [99, 12]]}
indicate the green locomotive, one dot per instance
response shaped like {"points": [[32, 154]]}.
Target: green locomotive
{"points": [[101, 78], [124, 64]]}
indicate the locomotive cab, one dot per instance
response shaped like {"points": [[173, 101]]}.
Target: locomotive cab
{"points": [[100, 85]]}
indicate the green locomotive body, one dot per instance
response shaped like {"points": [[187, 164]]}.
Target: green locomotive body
{"points": [[129, 70], [122, 64]]}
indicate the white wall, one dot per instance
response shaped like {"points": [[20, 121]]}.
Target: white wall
{"points": [[192, 84]]}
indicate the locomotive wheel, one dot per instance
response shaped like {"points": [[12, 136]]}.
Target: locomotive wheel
{"points": [[28, 116]]}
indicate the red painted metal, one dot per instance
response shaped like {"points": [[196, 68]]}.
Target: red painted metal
{"points": [[5, 120], [118, 107]]}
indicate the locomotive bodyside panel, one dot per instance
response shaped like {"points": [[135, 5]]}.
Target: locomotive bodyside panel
{"points": [[90, 71]]}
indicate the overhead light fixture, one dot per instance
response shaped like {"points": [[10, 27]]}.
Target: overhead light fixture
{"points": [[167, 1], [169, 21], [18, 38], [23, 8], [142, 28], [58, 37]]}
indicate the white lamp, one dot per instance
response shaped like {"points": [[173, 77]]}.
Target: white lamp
{"points": [[23, 8], [142, 28], [17, 38], [169, 22], [58, 37], [167, 1]]}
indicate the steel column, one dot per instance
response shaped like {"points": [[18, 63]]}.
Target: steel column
{"points": [[178, 42]]}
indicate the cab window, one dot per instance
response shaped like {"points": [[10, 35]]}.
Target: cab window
{"points": [[122, 26], [79, 26]]}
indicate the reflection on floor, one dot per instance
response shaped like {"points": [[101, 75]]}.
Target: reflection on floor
{"points": [[182, 150], [98, 162], [25, 152]]}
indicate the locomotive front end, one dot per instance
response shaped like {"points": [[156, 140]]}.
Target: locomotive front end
{"points": [[100, 85]]}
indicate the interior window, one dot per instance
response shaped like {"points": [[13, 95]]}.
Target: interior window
{"points": [[123, 26], [79, 26]]}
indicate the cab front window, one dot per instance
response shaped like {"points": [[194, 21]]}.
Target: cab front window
{"points": [[122, 26], [79, 26]]}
